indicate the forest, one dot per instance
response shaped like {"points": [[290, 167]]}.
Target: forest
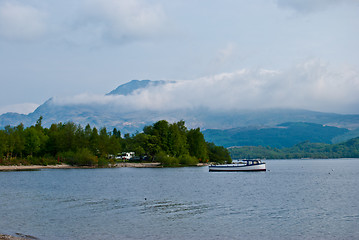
{"points": [[348, 149], [283, 135], [171, 144]]}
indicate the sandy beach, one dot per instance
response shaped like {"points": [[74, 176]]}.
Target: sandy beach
{"points": [[35, 167]]}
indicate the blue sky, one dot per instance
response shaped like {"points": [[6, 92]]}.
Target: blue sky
{"points": [[249, 54]]}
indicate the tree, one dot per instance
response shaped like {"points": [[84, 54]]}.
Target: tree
{"points": [[151, 146], [9, 141], [19, 140], [197, 144], [218, 154], [38, 124], [177, 139], [94, 140], [114, 145], [161, 130], [103, 142], [116, 133], [52, 145], [32, 141], [80, 139], [2, 143]]}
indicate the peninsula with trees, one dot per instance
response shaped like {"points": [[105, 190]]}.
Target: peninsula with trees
{"points": [[170, 144]]}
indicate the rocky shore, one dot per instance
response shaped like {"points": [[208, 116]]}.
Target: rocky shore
{"points": [[137, 165], [21, 237], [8, 237]]}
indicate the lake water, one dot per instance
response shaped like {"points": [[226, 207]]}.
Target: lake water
{"points": [[295, 199]]}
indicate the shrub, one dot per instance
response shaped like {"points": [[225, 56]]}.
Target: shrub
{"points": [[103, 162], [166, 160], [188, 160], [84, 157]]}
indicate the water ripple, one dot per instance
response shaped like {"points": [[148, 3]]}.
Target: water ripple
{"points": [[174, 209]]}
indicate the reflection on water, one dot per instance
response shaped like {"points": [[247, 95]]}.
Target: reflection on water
{"points": [[295, 199]]}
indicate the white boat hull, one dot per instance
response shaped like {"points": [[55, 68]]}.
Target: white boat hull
{"points": [[237, 168]]}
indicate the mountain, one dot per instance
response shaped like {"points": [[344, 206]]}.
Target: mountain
{"points": [[131, 118], [281, 136], [14, 119], [131, 87]]}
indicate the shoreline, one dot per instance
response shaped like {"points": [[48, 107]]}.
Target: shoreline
{"points": [[4, 168], [36, 167], [137, 165]]}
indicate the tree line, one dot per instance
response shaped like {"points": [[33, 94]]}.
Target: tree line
{"points": [[348, 149], [171, 144]]}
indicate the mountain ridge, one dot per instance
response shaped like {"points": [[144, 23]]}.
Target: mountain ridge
{"points": [[130, 120]]}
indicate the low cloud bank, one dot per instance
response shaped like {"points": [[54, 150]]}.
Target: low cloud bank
{"points": [[311, 85]]}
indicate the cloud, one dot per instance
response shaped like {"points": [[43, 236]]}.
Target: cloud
{"points": [[21, 22], [307, 6], [318, 86], [24, 108], [119, 21], [311, 85]]}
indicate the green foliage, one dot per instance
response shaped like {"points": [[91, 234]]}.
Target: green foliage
{"points": [[197, 144], [35, 139], [82, 157], [177, 139], [166, 160], [218, 154], [103, 162], [188, 160], [40, 161], [170, 144]]}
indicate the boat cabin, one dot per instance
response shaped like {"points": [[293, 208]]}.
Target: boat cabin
{"points": [[252, 161]]}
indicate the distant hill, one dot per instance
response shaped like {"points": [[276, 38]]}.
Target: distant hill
{"points": [[348, 149], [346, 136], [14, 119], [130, 119], [280, 136]]}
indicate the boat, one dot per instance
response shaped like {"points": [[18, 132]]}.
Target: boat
{"points": [[244, 165]]}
